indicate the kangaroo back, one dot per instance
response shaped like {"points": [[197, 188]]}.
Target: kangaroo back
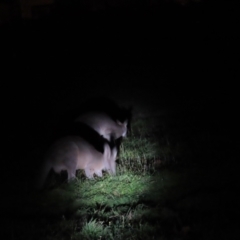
{"points": [[73, 153], [104, 125]]}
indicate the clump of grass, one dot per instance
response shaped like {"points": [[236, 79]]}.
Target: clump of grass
{"points": [[94, 230], [149, 146]]}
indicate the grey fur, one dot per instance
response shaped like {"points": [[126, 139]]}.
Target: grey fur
{"points": [[73, 153], [104, 125]]}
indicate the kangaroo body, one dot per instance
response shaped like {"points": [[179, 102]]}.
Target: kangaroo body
{"points": [[73, 153], [104, 125]]}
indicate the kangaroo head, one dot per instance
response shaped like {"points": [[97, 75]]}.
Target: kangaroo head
{"points": [[123, 125]]}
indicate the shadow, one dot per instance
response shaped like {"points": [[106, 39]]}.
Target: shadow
{"points": [[99, 104], [84, 131]]}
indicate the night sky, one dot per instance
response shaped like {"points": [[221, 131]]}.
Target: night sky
{"points": [[181, 57]]}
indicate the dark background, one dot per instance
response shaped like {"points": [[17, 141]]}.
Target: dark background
{"points": [[170, 55]]}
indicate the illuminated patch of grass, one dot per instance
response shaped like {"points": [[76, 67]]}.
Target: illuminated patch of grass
{"points": [[136, 148], [151, 197], [149, 146], [109, 207], [111, 191]]}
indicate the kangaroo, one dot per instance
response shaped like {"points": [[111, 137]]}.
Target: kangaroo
{"points": [[104, 125], [73, 153]]}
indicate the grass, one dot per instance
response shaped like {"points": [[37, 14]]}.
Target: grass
{"points": [[155, 195]]}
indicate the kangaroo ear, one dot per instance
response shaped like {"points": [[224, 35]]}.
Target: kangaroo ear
{"points": [[122, 124], [118, 122]]}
